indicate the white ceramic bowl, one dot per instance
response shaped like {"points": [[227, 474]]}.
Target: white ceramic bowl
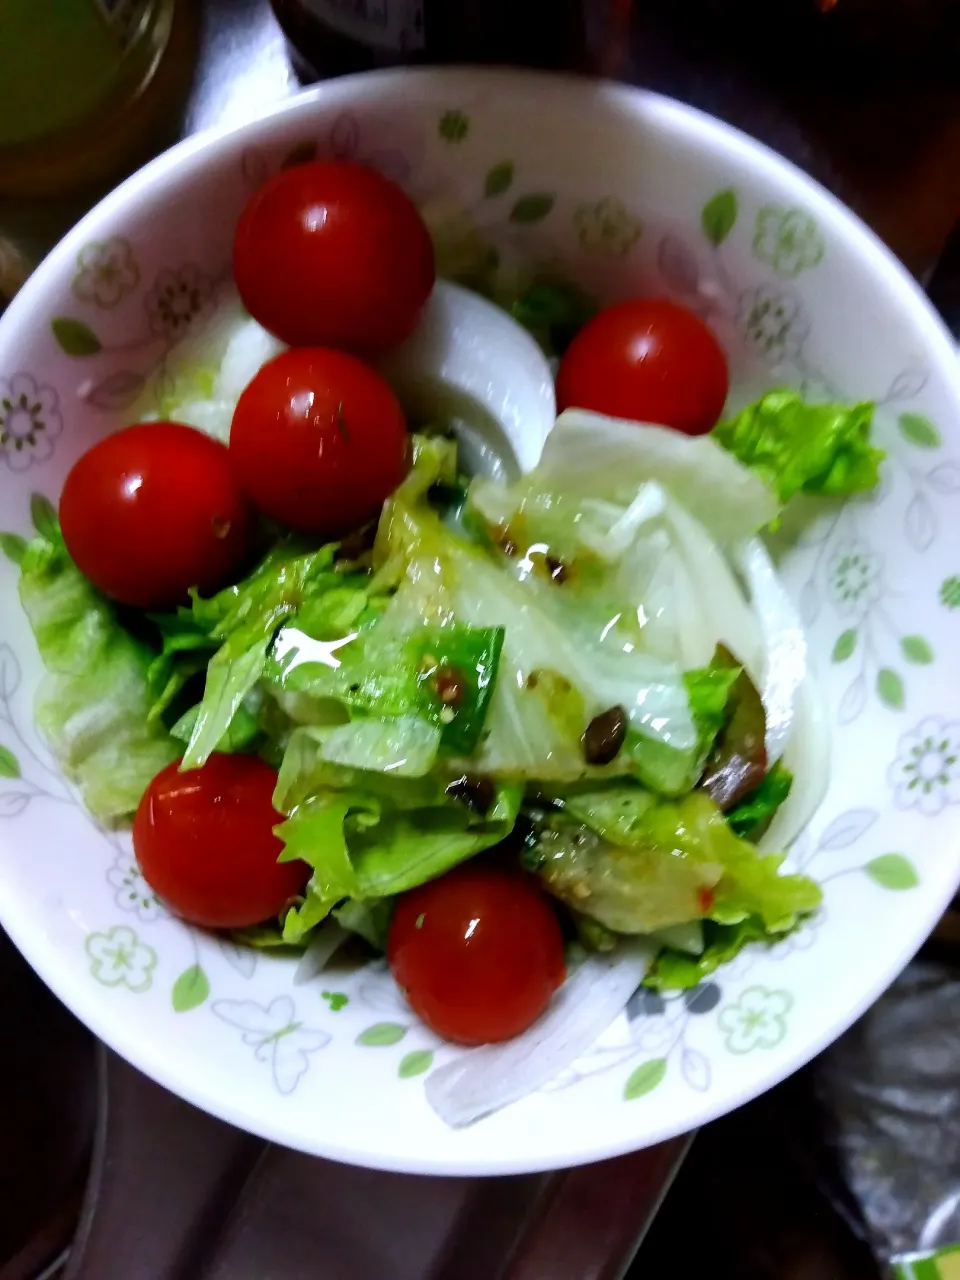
{"points": [[621, 191]]}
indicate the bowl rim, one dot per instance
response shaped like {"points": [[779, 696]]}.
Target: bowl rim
{"points": [[653, 111]]}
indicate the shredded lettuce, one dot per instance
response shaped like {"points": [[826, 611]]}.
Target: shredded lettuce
{"points": [[637, 864], [239, 623], [417, 697], [442, 674], [93, 703], [363, 848], [753, 815], [368, 920], [675, 970], [810, 448], [552, 311], [590, 460]]}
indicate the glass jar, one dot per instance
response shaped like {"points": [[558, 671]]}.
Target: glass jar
{"points": [[87, 92]]}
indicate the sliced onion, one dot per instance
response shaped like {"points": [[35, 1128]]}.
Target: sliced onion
{"points": [[484, 1080], [248, 349], [807, 756], [326, 942], [650, 502], [786, 646]]}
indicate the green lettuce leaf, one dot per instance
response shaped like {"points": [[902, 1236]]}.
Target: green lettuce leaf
{"points": [[798, 447], [385, 668], [555, 640], [239, 623], [362, 848], [675, 970], [243, 734], [401, 746], [668, 771], [553, 311], [93, 703], [369, 920], [753, 815], [637, 864], [229, 680], [263, 937], [185, 651]]}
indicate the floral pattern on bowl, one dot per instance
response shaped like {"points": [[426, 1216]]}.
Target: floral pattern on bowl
{"points": [[520, 177]]}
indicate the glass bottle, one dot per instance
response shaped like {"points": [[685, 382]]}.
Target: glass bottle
{"points": [[336, 36], [88, 91]]}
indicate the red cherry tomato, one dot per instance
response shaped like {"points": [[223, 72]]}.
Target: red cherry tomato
{"points": [[648, 360], [318, 440], [205, 843], [478, 952], [333, 254], [153, 510]]}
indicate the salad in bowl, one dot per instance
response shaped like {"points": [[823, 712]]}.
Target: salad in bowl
{"points": [[498, 740]]}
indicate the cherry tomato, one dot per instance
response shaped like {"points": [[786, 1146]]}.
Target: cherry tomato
{"points": [[479, 953], [333, 254], [205, 843], [648, 360], [318, 440], [153, 510]]}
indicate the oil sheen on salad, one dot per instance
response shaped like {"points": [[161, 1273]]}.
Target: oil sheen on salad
{"points": [[537, 741]]}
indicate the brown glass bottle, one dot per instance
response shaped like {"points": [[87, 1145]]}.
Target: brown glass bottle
{"points": [[332, 37]]}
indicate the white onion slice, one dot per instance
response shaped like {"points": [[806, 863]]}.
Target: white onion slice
{"points": [[484, 1080], [650, 502], [807, 756], [249, 348], [325, 943], [786, 646]]}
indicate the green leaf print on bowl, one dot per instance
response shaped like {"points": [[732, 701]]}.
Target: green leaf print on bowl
{"points": [[950, 592], [454, 126], [382, 1034], [856, 582], [788, 240], [498, 179], [644, 1079], [890, 688], [118, 958], [415, 1063], [918, 430], [846, 643], [9, 764], [719, 215], [893, 871], [74, 337], [337, 1000], [190, 990], [917, 650], [44, 516], [533, 207], [13, 547]]}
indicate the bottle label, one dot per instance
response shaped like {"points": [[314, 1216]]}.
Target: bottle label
{"points": [[396, 25]]}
